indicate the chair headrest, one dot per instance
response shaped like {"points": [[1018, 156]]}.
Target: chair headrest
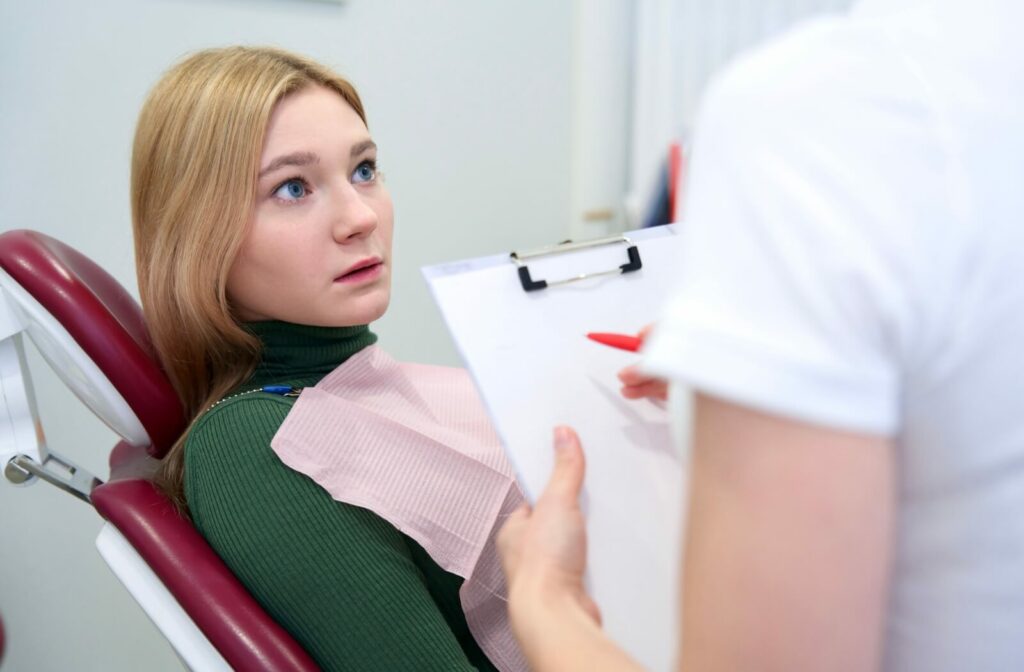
{"points": [[88, 305]]}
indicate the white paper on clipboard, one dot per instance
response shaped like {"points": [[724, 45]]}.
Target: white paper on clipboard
{"points": [[535, 368]]}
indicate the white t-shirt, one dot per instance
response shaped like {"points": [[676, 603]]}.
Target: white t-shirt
{"points": [[854, 257]]}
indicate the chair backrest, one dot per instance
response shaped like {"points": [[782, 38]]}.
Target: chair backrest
{"points": [[198, 579], [106, 323]]}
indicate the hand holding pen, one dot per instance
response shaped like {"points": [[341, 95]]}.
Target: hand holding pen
{"points": [[635, 383]]}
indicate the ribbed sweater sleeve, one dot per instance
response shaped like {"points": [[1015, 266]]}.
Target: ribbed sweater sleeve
{"points": [[342, 581]]}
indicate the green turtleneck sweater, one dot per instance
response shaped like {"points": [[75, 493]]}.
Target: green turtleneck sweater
{"points": [[351, 589]]}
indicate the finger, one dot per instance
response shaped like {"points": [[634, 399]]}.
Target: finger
{"points": [[645, 332], [632, 392], [591, 608], [654, 390], [521, 511], [510, 538], [634, 376], [512, 529], [567, 477], [631, 375], [657, 389]]}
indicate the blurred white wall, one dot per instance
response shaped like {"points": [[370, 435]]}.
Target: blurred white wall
{"points": [[470, 105], [678, 45]]}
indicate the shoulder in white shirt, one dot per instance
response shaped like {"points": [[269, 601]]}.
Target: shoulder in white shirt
{"points": [[855, 258]]}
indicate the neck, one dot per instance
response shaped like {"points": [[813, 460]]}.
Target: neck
{"points": [[300, 355]]}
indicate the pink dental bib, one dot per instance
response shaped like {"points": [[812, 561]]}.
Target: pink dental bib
{"points": [[413, 444]]}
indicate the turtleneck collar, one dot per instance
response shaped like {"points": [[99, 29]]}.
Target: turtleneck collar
{"points": [[300, 355]]}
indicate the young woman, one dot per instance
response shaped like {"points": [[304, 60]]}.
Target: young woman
{"points": [[263, 245]]}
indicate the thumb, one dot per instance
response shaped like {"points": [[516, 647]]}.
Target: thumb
{"points": [[567, 477], [510, 539], [591, 609]]}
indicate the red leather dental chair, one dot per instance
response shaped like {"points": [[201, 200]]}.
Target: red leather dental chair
{"points": [[92, 332]]}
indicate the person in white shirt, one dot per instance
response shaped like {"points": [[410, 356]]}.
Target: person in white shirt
{"points": [[850, 315]]}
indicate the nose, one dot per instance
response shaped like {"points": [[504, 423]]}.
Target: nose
{"points": [[354, 217]]}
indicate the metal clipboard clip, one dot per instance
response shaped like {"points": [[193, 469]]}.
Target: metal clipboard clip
{"points": [[531, 285]]}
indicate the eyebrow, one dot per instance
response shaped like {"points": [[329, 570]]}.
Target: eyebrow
{"points": [[361, 147], [293, 159], [309, 158]]}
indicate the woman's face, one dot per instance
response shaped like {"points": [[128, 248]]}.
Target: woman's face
{"points": [[318, 249]]}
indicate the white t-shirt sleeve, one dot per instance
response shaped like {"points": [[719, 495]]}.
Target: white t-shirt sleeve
{"points": [[799, 290]]}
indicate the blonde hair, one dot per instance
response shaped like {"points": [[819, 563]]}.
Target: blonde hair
{"points": [[195, 162]]}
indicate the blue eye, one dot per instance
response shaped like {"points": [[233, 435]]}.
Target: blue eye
{"points": [[366, 172], [292, 190]]}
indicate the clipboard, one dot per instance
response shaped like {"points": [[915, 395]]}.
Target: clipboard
{"points": [[520, 321]]}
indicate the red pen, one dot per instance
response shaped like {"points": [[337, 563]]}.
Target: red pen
{"points": [[620, 341]]}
